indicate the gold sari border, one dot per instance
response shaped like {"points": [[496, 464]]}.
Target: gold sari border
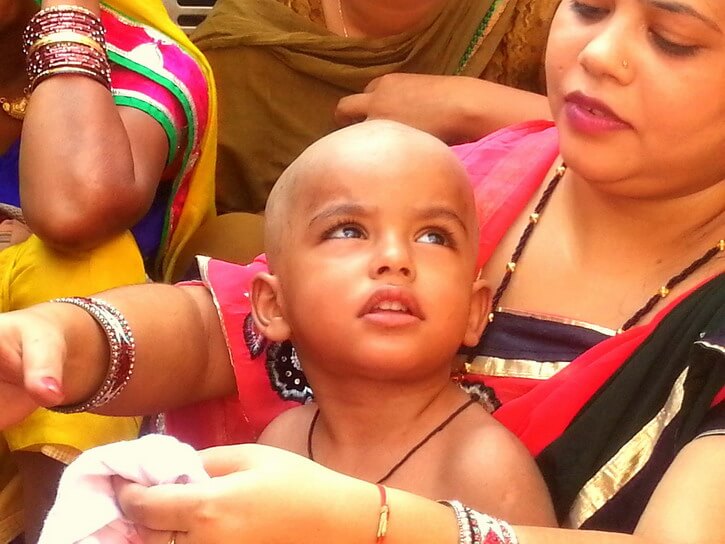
{"points": [[627, 462], [60, 452], [514, 368]]}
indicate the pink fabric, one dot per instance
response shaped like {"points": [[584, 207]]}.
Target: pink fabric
{"points": [[158, 58], [506, 169], [85, 509], [241, 419], [123, 79]]}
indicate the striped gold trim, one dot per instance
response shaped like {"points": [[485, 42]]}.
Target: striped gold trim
{"points": [[60, 452], [514, 368], [627, 462], [563, 320]]}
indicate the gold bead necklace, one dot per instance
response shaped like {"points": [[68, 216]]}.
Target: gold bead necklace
{"points": [[534, 218]]}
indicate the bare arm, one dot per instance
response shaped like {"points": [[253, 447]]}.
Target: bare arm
{"points": [[181, 355], [456, 109], [241, 503], [89, 169]]}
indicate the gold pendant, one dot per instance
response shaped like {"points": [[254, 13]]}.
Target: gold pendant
{"points": [[15, 108]]}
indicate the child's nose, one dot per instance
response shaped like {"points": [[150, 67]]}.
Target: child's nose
{"points": [[393, 258]]}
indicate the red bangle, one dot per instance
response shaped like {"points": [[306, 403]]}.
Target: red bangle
{"points": [[384, 515]]}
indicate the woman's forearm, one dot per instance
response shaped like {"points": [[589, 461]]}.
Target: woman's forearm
{"points": [[181, 357], [87, 172]]}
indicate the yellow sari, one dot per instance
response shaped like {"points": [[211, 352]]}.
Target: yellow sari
{"points": [[31, 272]]}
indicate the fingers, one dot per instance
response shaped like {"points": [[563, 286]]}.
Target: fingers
{"points": [[11, 360], [161, 508], [17, 405], [352, 109], [225, 460]]}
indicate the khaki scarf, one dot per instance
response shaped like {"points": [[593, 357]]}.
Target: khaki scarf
{"points": [[281, 75]]}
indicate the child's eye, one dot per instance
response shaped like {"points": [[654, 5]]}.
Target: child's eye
{"points": [[345, 231], [587, 11], [435, 237]]}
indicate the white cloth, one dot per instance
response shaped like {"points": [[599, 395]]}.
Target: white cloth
{"points": [[85, 509]]}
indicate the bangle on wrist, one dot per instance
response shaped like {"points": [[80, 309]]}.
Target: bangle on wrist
{"points": [[491, 529], [122, 348], [477, 528], [384, 517], [66, 40], [464, 525]]}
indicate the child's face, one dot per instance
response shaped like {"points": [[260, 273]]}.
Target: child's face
{"points": [[378, 272]]}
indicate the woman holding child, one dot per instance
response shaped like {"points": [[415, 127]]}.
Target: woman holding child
{"points": [[620, 400]]}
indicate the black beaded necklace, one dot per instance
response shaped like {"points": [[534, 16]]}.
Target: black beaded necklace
{"points": [[533, 221], [408, 455]]}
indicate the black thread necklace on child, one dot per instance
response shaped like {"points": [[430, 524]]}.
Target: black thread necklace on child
{"points": [[526, 235], [410, 452]]}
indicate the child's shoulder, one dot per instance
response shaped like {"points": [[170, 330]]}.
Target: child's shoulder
{"points": [[289, 429], [493, 472], [487, 443], [484, 443]]}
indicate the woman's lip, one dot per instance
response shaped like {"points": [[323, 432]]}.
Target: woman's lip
{"points": [[591, 115]]}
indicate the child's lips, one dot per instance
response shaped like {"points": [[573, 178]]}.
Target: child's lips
{"points": [[392, 306]]}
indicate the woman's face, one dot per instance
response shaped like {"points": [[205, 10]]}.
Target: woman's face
{"points": [[637, 89]]}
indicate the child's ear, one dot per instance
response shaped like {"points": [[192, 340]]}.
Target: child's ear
{"points": [[478, 314], [267, 305]]}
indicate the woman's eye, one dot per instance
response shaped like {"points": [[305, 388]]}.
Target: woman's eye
{"points": [[345, 231], [434, 237], [587, 11], [672, 48]]}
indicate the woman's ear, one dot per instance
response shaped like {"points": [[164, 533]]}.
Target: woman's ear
{"points": [[267, 307], [478, 313]]}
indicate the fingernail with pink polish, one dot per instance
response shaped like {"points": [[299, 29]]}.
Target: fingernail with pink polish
{"points": [[52, 385]]}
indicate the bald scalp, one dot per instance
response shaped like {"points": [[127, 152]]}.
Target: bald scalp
{"points": [[372, 145]]}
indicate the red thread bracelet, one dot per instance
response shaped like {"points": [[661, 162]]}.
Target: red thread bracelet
{"points": [[384, 515]]}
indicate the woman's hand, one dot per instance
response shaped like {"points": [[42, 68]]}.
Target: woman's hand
{"points": [[13, 232], [257, 494], [32, 349], [455, 109]]}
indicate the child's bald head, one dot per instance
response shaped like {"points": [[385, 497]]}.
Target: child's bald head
{"points": [[362, 153]]}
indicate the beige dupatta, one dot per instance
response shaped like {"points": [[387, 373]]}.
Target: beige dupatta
{"points": [[280, 76]]}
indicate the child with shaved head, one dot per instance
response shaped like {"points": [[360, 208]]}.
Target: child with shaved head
{"points": [[370, 291], [372, 241]]}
